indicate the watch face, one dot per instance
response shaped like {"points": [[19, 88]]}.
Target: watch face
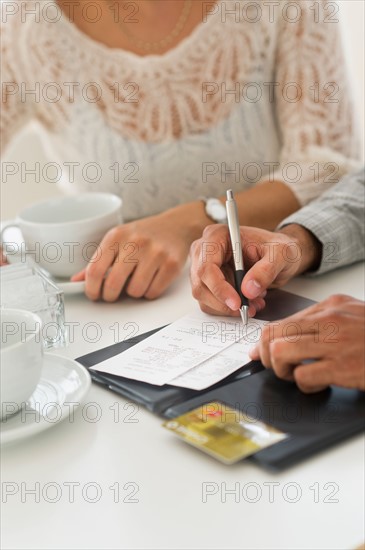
{"points": [[216, 210]]}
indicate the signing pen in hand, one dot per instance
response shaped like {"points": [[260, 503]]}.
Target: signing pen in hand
{"points": [[239, 271]]}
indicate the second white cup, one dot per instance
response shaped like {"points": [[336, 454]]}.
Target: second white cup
{"points": [[21, 358], [62, 234]]}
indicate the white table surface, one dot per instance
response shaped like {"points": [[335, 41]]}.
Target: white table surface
{"points": [[170, 475]]}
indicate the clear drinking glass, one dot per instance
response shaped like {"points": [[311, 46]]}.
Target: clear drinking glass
{"points": [[23, 286]]}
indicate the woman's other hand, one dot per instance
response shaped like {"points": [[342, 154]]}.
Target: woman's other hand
{"points": [[145, 256]]}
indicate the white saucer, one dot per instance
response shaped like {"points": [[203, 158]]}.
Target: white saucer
{"points": [[63, 382], [70, 287]]}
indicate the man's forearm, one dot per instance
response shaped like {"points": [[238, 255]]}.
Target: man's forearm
{"points": [[337, 221]]}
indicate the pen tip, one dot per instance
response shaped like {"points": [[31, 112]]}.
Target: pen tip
{"points": [[244, 314], [229, 194]]}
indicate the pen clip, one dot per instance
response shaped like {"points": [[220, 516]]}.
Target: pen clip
{"points": [[234, 231]]}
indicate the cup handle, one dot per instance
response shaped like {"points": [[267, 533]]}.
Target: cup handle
{"points": [[3, 244]]}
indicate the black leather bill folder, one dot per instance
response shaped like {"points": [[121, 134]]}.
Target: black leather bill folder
{"points": [[313, 421]]}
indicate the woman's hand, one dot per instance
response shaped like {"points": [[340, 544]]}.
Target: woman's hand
{"points": [[270, 258], [145, 256], [3, 260], [330, 334]]}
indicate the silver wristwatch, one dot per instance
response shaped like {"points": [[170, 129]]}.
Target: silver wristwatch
{"points": [[215, 210]]}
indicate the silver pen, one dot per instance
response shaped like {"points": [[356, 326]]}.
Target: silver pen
{"points": [[239, 269]]}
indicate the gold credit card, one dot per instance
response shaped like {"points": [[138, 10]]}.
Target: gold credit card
{"points": [[226, 434]]}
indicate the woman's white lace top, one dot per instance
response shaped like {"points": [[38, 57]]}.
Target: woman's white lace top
{"points": [[258, 91]]}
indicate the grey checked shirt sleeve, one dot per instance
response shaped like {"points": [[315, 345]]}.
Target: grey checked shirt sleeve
{"points": [[337, 220]]}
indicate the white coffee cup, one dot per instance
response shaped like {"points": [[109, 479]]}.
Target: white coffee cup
{"points": [[21, 358], [62, 234]]}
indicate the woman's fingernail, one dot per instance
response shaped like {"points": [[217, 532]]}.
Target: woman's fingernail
{"points": [[254, 288], [231, 304]]}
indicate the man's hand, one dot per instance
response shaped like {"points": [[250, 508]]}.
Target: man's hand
{"points": [[271, 258], [143, 257], [330, 333]]}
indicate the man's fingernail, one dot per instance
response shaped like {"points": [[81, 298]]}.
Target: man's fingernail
{"points": [[254, 288], [254, 352], [231, 304]]}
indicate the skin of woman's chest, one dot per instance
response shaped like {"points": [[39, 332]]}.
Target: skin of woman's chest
{"points": [[119, 24]]}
